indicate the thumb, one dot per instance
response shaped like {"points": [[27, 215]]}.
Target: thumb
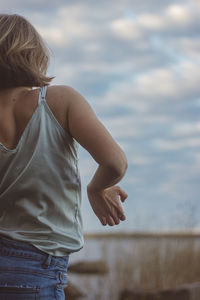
{"points": [[123, 195]]}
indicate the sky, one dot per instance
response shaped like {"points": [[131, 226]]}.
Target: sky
{"points": [[137, 63]]}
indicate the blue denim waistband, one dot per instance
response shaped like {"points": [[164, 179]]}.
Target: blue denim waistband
{"points": [[48, 258]]}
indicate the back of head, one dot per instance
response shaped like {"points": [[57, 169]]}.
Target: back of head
{"points": [[24, 57]]}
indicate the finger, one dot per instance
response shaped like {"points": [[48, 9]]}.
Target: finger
{"points": [[103, 221], [122, 217], [120, 210], [123, 195], [110, 221], [121, 214], [115, 218]]}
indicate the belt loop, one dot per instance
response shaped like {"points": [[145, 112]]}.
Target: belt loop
{"points": [[47, 261]]}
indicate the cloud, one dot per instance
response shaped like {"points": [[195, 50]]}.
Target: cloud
{"points": [[188, 46], [126, 29], [55, 36], [171, 145], [196, 158], [174, 82], [137, 63], [121, 126], [151, 21], [170, 20], [138, 159], [179, 182], [45, 6], [144, 91], [179, 14], [185, 129]]}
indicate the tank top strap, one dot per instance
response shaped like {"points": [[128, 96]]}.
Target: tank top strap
{"points": [[42, 94]]}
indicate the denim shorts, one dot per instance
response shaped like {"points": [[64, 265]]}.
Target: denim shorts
{"points": [[26, 273]]}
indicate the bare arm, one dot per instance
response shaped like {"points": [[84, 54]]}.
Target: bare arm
{"points": [[90, 133]]}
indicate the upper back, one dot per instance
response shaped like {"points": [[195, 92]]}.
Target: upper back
{"points": [[16, 110]]}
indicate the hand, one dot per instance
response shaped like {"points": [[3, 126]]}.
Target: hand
{"points": [[106, 204]]}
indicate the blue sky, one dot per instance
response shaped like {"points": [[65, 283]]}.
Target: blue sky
{"points": [[137, 64]]}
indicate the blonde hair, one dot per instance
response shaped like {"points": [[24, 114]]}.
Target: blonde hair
{"points": [[24, 57]]}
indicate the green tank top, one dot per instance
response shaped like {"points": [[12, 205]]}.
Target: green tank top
{"points": [[40, 187]]}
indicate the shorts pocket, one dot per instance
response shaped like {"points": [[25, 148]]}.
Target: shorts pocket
{"points": [[10, 292]]}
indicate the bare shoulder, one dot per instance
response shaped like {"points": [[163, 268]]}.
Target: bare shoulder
{"points": [[63, 92], [60, 98], [66, 98]]}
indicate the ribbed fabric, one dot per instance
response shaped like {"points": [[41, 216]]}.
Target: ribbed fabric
{"points": [[40, 188]]}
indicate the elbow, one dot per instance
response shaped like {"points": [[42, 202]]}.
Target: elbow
{"points": [[120, 166], [116, 164], [124, 166]]}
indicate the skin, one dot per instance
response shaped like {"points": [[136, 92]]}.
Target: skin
{"points": [[76, 116]]}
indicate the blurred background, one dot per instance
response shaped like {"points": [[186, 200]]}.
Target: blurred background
{"points": [[137, 64]]}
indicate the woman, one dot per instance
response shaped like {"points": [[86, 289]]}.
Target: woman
{"points": [[40, 191]]}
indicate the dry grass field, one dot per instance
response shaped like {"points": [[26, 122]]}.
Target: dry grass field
{"points": [[144, 261]]}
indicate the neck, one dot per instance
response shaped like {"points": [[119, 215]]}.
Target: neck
{"points": [[9, 96]]}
